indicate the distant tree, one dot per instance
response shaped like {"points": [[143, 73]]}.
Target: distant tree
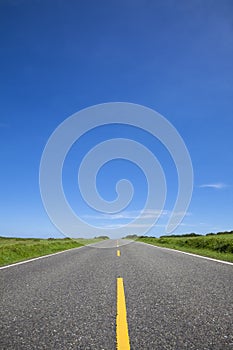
{"points": [[131, 236], [183, 235], [225, 233]]}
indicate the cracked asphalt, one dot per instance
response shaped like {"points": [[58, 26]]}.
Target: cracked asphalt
{"points": [[68, 301]]}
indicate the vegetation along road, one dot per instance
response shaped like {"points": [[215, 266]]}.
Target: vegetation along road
{"points": [[130, 296]]}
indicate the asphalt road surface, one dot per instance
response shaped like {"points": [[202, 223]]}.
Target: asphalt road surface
{"points": [[69, 300]]}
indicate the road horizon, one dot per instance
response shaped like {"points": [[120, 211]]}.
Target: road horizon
{"points": [[134, 296]]}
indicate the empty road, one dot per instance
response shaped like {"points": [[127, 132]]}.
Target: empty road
{"points": [[71, 300]]}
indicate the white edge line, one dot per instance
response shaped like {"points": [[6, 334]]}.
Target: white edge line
{"points": [[39, 257], [195, 255]]}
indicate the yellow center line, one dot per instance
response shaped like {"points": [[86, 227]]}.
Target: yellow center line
{"points": [[122, 335], [118, 253]]}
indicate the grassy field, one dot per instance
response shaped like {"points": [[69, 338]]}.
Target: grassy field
{"points": [[18, 249], [217, 246]]}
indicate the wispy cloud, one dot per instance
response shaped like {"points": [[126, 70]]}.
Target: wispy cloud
{"points": [[129, 215], [218, 186], [134, 214]]}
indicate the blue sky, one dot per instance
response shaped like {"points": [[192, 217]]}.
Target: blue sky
{"points": [[58, 57]]}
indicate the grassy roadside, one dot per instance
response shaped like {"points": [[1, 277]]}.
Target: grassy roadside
{"points": [[214, 246], [13, 250]]}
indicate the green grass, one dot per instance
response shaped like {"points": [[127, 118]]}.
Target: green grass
{"points": [[13, 250], [215, 246]]}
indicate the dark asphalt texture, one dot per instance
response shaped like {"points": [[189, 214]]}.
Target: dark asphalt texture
{"points": [[68, 301]]}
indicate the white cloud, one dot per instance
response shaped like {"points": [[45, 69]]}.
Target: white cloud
{"points": [[133, 214], [217, 186]]}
